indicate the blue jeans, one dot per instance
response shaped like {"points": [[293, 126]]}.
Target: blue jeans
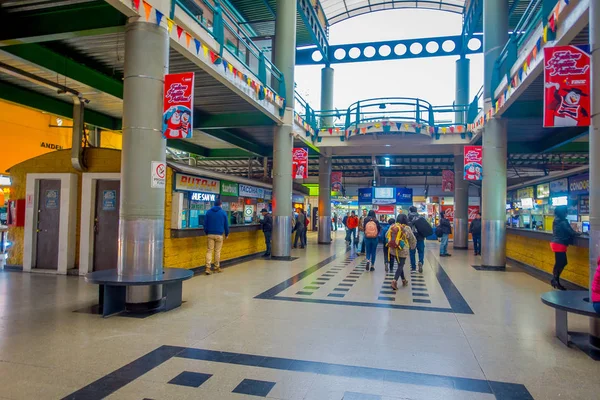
{"points": [[444, 245], [351, 235], [268, 241], [361, 239], [371, 246], [413, 254], [477, 244]]}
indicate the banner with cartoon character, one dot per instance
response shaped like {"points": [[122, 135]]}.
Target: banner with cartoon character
{"points": [[178, 106], [566, 86], [336, 181], [447, 181], [473, 163], [300, 163]]}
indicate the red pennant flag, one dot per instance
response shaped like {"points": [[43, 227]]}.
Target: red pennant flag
{"points": [[136, 4], [148, 9], [179, 32], [330, 131], [451, 129]]}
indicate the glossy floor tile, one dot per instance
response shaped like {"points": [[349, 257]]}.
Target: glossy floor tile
{"points": [[316, 328]]}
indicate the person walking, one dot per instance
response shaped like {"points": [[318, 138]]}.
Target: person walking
{"points": [[345, 223], [413, 217], [562, 237], [386, 250], [400, 240], [306, 224], [361, 233], [352, 224], [267, 227], [300, 228], [371, 231], [446, 229], [335, 221], [475, 231], [215, 226]]}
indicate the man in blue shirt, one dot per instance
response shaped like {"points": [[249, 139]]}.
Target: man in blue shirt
{"points": [[215, 226]]}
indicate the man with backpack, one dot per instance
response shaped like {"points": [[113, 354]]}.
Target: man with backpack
{"points": [[400, 240], [419, 227], [443, 231], [371, 231]]}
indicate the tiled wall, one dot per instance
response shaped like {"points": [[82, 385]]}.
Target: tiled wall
{"points": [[537, 254]]}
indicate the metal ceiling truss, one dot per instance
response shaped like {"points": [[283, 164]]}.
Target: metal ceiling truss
{"points": [[391, 50]]}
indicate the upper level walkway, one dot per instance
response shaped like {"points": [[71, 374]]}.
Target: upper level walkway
{"points": [[316, 328]]}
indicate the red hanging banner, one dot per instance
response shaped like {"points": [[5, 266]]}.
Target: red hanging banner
{"points": [[336, 181], [178, 105], [447, 181], [300, 163], [473, 163], [566, 86]]}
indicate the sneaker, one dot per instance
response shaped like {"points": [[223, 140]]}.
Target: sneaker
{"points": [[368, 265], [420, 268], [218, 270], [372, 269], [395, 285], [404, 282], [413, 269], [208, 271], [386, 267]]}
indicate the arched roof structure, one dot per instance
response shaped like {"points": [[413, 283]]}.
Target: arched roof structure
{"points": [[340, 10]]}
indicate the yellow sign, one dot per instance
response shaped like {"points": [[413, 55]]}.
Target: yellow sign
{"points": [[192, 183]]}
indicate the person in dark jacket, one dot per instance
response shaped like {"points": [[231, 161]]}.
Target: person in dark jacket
{"points": [[371, 238], [267, 227], [562, 237], [475, 231], [446, 232], [216, 225], [300, 228], [413, 216]]}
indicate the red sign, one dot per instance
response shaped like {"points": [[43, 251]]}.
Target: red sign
{"points": [[300, 163], [336, 181], [386, 209], [473, 211], [448, 213], [178, 105], [566, 86], [473, 163], [447, 181]]}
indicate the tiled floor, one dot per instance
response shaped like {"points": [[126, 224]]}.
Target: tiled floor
{"points": [[317, 328]]}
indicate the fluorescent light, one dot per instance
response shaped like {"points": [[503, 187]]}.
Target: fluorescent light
{"points": [[387, 162]]}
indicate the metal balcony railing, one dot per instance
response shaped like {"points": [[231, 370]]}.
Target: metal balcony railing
{"points": [[221, 24]]}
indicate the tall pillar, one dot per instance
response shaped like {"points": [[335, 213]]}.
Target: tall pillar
{"points": [[324, 200], [493, 239], [327, 95], [285, 61], [594, 187], [461, 203], [463, 68], [141, 215]]}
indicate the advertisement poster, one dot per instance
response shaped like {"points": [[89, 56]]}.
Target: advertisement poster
{"points": [[404, 196], [579, 184], [300, 163], [178, 105], [566, 86], [365, 196], [448, 181], [473, 211], [473, 163], [449, 213], [336, 181], [559, 187], [251, 191]]}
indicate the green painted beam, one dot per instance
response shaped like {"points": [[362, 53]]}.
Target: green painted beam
{"points": [[560, 137], [525, 109], [573, 147], [188, 147], [241, 142], [60, 23], [232, 120], [229, 153], [46, 58], [28, 98]]}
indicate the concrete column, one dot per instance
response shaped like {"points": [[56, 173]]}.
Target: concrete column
{"points": [[327, 94], [463, 68], [594, 188], [141, 216], [461, 203], [493, 201], [285, 61], [324, 200]]}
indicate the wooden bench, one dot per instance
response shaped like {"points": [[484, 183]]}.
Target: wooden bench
{"points": [[564, 302], [113, 287]]}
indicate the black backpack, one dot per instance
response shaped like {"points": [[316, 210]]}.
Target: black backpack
{"points": [[439, 231]]}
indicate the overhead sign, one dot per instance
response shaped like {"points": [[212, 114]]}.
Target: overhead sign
{"points": [[300, 163], [579, 184], [365, 195], [229, 188], [473, 163], [336, 181], [197, 196], [404, 195], [268, 194], [178, 106], [196, 184], [251, 191], [447, 181], [566, 86], [384, 193], [560, 186]]}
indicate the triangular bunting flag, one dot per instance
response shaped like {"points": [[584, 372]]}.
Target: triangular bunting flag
{"points": [[159, 16], [179, 32], [398, 125], [205, 50], [363, 130], [188, 39], [170, 23], [148, 10], [198, 44], [136, 4]]}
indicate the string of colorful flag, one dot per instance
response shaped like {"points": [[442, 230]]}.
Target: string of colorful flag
{"points": [[305, 125], [551, 25], [261, 91], [407, 127]]}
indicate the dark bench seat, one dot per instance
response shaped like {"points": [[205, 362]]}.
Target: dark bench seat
{"points": [[113, 287], [564, 302]]}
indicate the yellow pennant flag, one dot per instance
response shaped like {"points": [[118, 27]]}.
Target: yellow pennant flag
{"points": [[170, 23], [205, 50]]}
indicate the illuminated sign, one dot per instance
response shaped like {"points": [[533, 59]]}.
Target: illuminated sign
{"points": [[196, 184], [560, 201], [197, 196], [384, 193], [527, 203], [543, 191]]}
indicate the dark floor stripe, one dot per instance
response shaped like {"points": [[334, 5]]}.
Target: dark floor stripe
{"points": [[416, 289], [384, 298], [455, 299], [345, 284], [349, 280], [322, 279], [421, 301], [317, 283], [341, 289], [419, 284], [420, 294], [335, 295], [304, 293], [387, 292], [311, 287]]}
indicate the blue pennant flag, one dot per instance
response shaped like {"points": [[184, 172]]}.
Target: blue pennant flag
{"points": [[159, 16], [198, 44]]}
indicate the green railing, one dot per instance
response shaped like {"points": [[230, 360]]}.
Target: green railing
{"points": [[233, 39]]}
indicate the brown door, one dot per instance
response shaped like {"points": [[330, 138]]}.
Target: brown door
{"points": [[106, 225], [46, 249]]}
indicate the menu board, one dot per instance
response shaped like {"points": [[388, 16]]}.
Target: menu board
{"points": [[525, 193], [543, 191], [584, 205]]}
